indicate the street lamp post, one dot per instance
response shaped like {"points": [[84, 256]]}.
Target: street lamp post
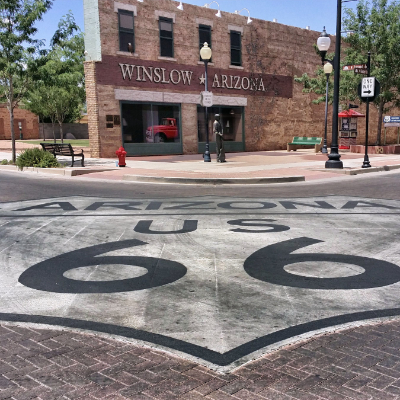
{"points": [[323, 46], [334, 156], [206, 54], [328, 70]]}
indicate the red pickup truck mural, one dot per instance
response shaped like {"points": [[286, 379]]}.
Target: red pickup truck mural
{"points": [[166, 132]]}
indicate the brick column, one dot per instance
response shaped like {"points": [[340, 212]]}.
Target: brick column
{"points": [[189, 128], [92, 108]]}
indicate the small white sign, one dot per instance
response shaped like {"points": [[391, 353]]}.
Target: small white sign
{"points": [[368, 87], [207, 99]]}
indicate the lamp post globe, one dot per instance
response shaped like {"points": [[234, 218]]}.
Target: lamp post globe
{"points": [[323, 44], [206, 54], [328, 68]]}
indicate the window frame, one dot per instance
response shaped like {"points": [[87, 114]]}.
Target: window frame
{"points": [[126, 30], [171, 21], [232, 32], [209, 28]]}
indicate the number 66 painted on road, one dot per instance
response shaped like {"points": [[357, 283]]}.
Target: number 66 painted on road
{"points": [[266, 264]]}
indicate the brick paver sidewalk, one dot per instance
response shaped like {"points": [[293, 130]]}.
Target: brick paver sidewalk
{"points": [[357, 363]]}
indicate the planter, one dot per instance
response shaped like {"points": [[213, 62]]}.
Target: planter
{"points": [[387, 149]]}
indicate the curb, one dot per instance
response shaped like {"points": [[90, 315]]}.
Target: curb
{"points": [[358, 171], [214, 181], [56, 171]]}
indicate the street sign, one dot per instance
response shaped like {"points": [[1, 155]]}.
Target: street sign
{"points": [[367, 96], [353, 67], [361, 71], [207, 99], [368, 87], [391, 119]]}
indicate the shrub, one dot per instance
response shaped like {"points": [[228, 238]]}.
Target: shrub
{"points": [[36, 158], [4, 162]]}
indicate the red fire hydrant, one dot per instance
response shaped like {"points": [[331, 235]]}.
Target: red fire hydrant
{"points": [[121, 153]]}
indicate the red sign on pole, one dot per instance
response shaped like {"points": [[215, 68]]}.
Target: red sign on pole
{"points": [[353, 67]]}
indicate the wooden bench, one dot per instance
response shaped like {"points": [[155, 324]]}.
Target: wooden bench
{"points": [[305, 141], [63, 149]]}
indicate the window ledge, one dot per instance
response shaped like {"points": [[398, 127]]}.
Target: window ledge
{"points": [[167, 58], [202, 63], [127, 53], [235, 67]]}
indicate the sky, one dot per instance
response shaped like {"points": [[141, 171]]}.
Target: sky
{"points": [[299, 13]]}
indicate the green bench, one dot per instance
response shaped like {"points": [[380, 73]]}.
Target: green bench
{"points": [[305, 141]]}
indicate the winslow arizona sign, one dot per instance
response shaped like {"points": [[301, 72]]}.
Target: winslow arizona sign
{"points": [[156, 75]]}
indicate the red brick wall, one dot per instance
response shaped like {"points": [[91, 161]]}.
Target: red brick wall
{"points": [[268, 49], [30, 124]]}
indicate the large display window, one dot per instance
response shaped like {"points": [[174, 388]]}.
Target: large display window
{"points": [[232, 120], [150, 128]]}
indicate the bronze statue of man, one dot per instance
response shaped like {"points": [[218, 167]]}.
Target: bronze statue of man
{"points": [[219, 139]]}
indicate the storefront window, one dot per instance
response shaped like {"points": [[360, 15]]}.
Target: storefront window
{"points": [[231, 120], [150, 123]]}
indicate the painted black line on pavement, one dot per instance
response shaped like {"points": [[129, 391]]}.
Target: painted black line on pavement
{"points": [[211, 356]]}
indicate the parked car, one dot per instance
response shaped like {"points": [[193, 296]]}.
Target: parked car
{"points": [[167, 131]]}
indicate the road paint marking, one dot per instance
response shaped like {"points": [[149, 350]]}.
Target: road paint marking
{"points": [[76, 234]]}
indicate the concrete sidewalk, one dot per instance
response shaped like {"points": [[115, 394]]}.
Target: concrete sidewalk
{"points": [[241, 168]]}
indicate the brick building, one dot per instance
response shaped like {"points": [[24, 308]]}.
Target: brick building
{"points": [[144, 75], [29, 123]]}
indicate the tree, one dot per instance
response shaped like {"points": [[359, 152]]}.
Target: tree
{"points": [[372, 27], [317, 85], [17, 50], [376, 28], [60, 78]]}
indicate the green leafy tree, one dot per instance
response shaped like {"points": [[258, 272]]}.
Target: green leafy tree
{"points": [[375, 27], [317, 85], [17, 50], [59, 80]]}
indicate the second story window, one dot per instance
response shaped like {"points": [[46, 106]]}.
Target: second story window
{"points": [[236, 48], [126, 31], [166, 37], [204, 36]]}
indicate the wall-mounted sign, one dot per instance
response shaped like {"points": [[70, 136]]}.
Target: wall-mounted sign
{"points": [[388, 119], [120, 71]]}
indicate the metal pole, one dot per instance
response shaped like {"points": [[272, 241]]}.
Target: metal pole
{"points": [[207, 156], [334, 156], [325, 146], [366, 163]]}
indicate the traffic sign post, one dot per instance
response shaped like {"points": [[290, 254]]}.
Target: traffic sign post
{"points": [[368, 87], [354, 67], [368, 90], [361, 71], [207, 99]]}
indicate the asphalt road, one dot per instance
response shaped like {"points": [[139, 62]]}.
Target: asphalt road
{"points": [[218, 275], [27, 186]]}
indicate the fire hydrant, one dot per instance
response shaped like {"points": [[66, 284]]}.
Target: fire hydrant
{"points": [[121, 153]]}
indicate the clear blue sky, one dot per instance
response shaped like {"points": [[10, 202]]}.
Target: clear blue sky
{"points": [[300, 13]]}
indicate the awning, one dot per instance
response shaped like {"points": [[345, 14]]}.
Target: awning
{"points": [[350, 114]]}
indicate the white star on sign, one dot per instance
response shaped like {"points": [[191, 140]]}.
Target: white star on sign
{"points": [[202, 80]]}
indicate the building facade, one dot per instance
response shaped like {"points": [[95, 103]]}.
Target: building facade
{"points": [[29, 124], [144, 77]]}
